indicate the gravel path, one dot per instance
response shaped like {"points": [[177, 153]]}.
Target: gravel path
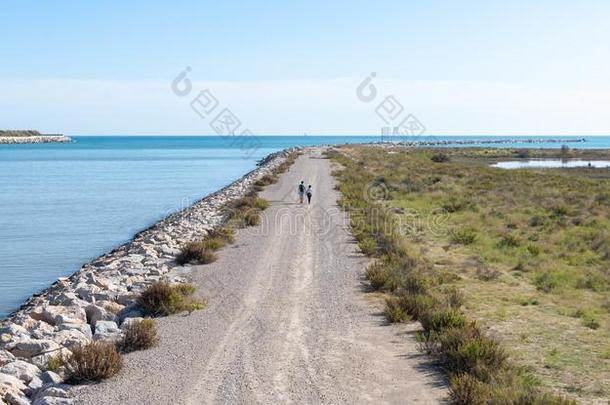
{"points": [[288, 321]]}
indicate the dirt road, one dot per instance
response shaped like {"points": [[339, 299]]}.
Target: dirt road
{"points": [[288, 321]]}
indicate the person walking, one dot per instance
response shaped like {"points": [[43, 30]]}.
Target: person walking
{"points": [[301, 191], [309, 193]]}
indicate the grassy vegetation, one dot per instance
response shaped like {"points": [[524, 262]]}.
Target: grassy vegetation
{"points": [[139, 335], [506, 270], [93, 362], [162, 299]]}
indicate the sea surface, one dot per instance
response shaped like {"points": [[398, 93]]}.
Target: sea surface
{"points": [[62, 205]]}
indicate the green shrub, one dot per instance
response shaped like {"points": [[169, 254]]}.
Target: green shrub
{"points": [[441, 319], [417, 283], [465, 389], [548, 281], [440, 157], [417, 305], [93, 362], [139, 335], [509, 241], [368, 246], [377, 274], [465, 349], [161, 299], [590, 321], [463, 236], [394, 311], [55, 362]]}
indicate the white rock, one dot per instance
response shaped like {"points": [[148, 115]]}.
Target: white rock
{"points": [[51, 378], [16, 398], [33, 347], [35, 384], [106, 327], [13, 329], [9, 383], [21, 369], [5, 357], [87, 291], [41, 330], [81, 327], [96, 313], [72, 338], [58, 314], [43, 400]]}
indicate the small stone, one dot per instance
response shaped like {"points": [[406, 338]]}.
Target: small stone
{"points": [[15, 398], [51, 378], [6, 357], [96, 313], [10, 383], [33, 347], [55, 392], [35, 384], [106, 328], [13, 329], [72, 338], [81, 327], [22, 370]]}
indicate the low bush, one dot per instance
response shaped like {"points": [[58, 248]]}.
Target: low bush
{"points": [[199, 252], [440, 157], [368, 246], [441, 319], [139, 335], [465, 349], [417, 305], [226, 234], [465, 389], [93, 362], [161, 299], [509, 241], [377, 274], [463, 236], [485, 273], [394, 311]]}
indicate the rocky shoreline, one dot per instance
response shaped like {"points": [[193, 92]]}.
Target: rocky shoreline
{"points": [[10, 140], [97, 301]]}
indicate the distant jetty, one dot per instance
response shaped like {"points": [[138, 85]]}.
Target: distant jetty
{"points": [[29, 136], [448, 142]]}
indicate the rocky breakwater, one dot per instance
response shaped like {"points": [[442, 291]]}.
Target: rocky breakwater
{"points": [[99, 300], [29, 136]]}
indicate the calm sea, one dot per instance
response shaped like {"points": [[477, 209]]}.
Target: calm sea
{"points": [[65, 204]]}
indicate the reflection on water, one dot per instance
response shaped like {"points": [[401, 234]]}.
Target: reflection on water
{"points": [[550, 163]]}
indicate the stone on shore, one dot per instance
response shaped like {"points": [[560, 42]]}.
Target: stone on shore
{"points": [[22, 370], [107, 330], [34, 347]]}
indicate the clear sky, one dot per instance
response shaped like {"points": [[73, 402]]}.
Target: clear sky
{"points": [[460, 67]]}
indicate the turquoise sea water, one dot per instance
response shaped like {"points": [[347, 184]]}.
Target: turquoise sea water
{"points": [[65, 204]]}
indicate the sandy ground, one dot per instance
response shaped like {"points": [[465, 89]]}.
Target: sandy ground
{"points": [[288, 321]]}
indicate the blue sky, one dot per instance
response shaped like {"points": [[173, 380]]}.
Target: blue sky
{"points": [[470, 67]]}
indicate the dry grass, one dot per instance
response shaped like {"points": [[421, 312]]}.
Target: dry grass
{"points": [[93, 362], [162, 299], [139, 335]]}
